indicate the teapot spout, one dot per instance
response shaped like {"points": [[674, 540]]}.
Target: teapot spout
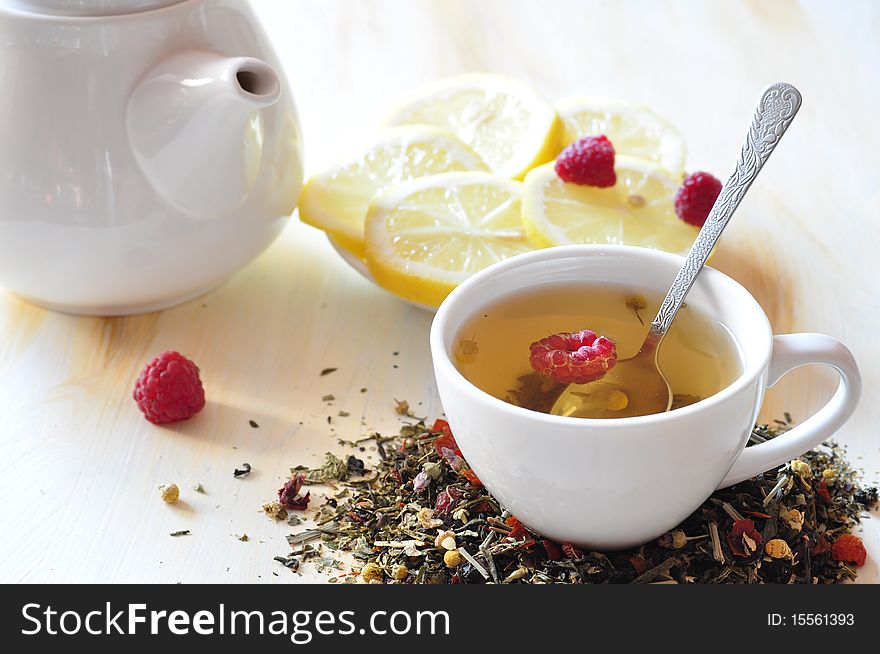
{"points": [[195, 126], [256, 81]]}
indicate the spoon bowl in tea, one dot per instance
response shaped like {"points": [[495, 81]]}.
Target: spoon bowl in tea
{"points": [[636, 386]]}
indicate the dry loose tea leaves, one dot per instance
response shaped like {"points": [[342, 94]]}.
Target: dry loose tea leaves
{"points": [[422, 503]]}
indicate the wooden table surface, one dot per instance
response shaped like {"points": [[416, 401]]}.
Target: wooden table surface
{"points": [[80, 467]]}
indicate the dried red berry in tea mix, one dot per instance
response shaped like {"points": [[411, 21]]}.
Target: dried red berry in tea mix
{"points": [[517, 530], [849, 548], [822, 546], [553, 553], [447, 448], [639, 564], [571, 552], [289, 495], [822, 491], [743, 539], [169, 389], [588, 161], [448, 499], [471, 476], [573, 358], [441, 427]]}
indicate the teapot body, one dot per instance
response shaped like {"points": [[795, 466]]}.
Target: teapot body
{"points": [[84, 226]]}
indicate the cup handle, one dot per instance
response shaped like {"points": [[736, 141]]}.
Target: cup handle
{"points": [[789, 352]]}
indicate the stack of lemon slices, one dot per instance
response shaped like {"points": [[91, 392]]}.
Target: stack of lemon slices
{"points": [[462, 176]]}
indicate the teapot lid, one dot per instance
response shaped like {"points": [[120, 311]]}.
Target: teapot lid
{"points": [[88, 7]]}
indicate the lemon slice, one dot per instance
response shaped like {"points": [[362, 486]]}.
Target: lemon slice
{"points": [[635, 131], [427, 235], [336, 200], [503, 120], [638, 210]]}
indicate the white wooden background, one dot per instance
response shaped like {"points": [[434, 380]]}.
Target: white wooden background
{"points": [[79, 467]]}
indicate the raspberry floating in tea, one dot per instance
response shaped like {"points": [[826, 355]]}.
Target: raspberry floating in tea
{"points": [[573, 358], [700, 357]]}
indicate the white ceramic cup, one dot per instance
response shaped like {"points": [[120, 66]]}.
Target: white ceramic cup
{"points": [[616, 483]]}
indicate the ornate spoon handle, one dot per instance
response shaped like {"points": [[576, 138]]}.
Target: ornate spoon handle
{"points": [[776, 108]]}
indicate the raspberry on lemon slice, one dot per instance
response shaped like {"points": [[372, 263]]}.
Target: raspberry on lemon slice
{"points": [[696, 196], [588, 161], [426, 236], [637, 210], [636, 131]]}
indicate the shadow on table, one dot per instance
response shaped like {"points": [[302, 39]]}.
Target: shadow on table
{"points": [[229, 427], [756, 266]]}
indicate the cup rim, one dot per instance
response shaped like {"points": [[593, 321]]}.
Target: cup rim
{"points": [[442, 360]]}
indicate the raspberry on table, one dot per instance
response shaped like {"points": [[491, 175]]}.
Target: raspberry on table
{"points": [[169, 389], [696, 196], [573, 358], [588, 161]]}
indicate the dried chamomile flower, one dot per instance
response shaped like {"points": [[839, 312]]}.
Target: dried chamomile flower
{"points": [[400, 572], [170, 493], [445, 541], [801, 469], [452, 559], [467, 351], [777, 549], [792, 517], [673, 540], [427, 520], [372, 572], [275, 510]]}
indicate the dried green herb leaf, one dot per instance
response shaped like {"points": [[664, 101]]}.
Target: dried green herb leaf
{"points": [[334, 469]]}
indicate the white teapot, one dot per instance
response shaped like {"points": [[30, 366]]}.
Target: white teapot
{"points": [[148, 149]]}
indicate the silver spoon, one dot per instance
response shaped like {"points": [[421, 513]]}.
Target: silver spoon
{"points": [[636, 386]]}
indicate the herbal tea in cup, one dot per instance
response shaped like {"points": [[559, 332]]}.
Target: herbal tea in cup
{"points": [[699, 357], [610, 484]]}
